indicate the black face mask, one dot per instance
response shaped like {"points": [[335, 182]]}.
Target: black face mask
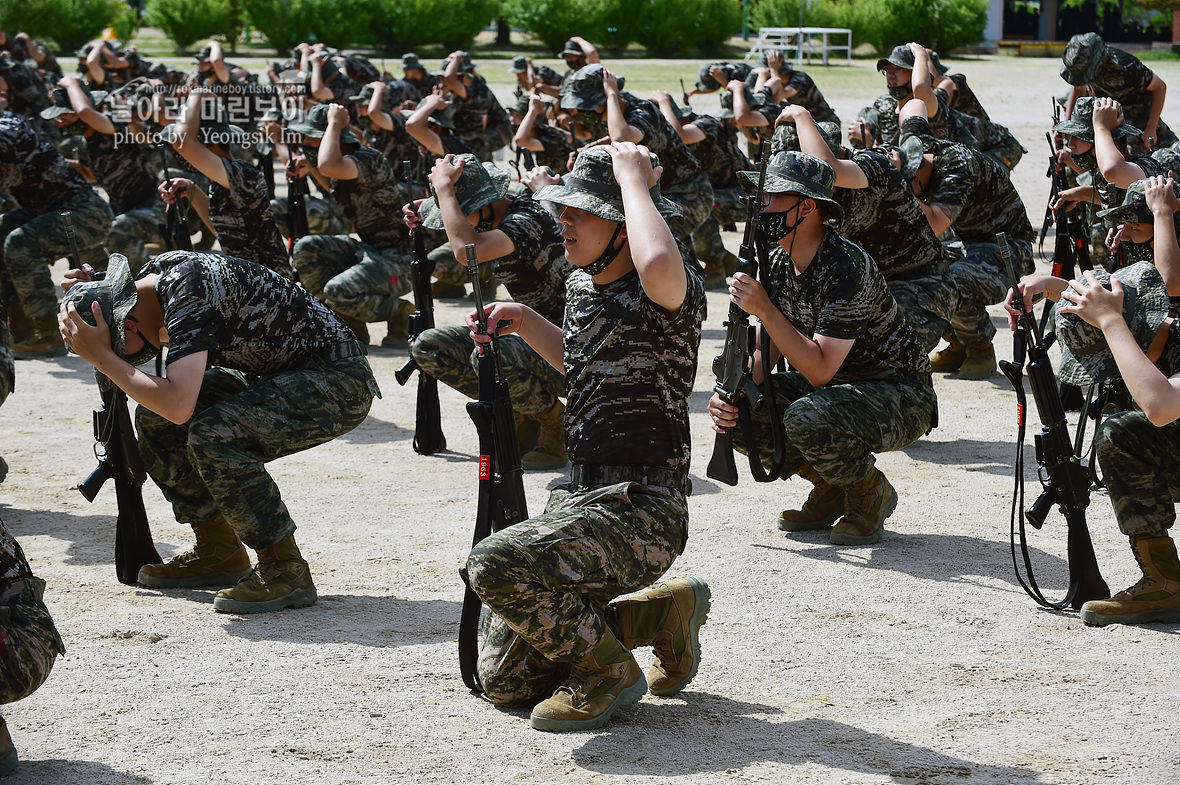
{"points": [[608, 255], [900, 92], [312, 154], [1086, 161], [485, 224], [76, 128], [593, 123], [1137, 252], [775, 227]]}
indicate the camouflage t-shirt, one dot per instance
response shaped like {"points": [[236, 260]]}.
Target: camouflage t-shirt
{"points": [[125, 170], [886, 220], [718, 153], [242, 218], [558, 147], [1125, 79], [396, 145], [372, 202], [964, 99], [343, 87], [470, 112], [629, 371], [973, 191], [842, 294], [27, 94], [247, 317], [808, 96], [426, 84], [661, 138], [945, 124], [536, 270], [32, 171]]}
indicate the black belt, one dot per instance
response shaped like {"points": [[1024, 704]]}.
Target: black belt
{"points": [[595, 475], [342, 350]]}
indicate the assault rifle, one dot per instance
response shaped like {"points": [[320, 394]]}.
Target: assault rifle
{"points": [[734, 366], [501, 480], [1071, 246], [118, 460], [296, 207], [175, 226], [1065, 481], [428, 435], [683, 92]]}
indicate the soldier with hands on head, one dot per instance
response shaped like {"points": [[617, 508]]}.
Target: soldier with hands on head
{"points": [[859, 382], [519, 239], [256, 369], [554, 640]]}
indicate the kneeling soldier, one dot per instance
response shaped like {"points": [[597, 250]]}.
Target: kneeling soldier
{"points": [[257, 369], [629, 353]]}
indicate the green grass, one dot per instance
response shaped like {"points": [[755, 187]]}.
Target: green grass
{"points": [[1158, 55]]}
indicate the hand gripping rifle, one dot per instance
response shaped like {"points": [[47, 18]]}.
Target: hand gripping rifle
{"points": [[1065, 481], [501, 481], [428, 435], [118, 460], [734, 366], [175, 227], [296, 207]]}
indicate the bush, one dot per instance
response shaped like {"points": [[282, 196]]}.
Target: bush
{"points": [[126, 24], [399, 26], [68, 24], [185, 22], [672, 27], [552, 22], [942, 25]]}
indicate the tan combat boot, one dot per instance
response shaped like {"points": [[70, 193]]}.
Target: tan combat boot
{"points": [[866, 506], [667, 617], [549, 452], [359, 328], [45, 341], [824, 505], [281, 580], [8, 758], [608, 679], [950, 358], [980, 362], [19, 324], [397, 329], [218, 559], [1156, 597]]}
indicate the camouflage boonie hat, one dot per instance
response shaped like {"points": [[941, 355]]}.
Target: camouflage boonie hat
{"points": [[1085, 355], [870, 118], [440, 117], [1081, 123], [901, 56], [572, 47], [914, 144], [727, 102], [203, 55], [798, 173], [116, 295], [315, 123], [366, 95], [479, 185], [938, 66], [519, 65], [62, 105], [584, 89], [1084, 56], [705, 81], [786, 138], [410, 62], [681, 111], [466, 65], [1134, 207], [591, 186]]}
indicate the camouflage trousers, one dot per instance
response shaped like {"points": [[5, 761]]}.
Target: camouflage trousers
{"points": [[549, 580], [838, 427], [29, 643], [33, 242], [353, 278], [695, 200], [982, 280], [448, 354], [323, 215], [706, 238], [1140, 463], [214, 464], [7, 365], [133, 228], [927, 304]]}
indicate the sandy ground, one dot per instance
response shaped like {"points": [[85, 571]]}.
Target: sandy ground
{"points": [[918, 660]]}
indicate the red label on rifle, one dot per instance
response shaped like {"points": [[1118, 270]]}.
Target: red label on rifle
{"points": [[1019, 421], [485, 467]]}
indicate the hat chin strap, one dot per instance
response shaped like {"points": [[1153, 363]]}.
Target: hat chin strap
{"points": [[608, 255]]}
